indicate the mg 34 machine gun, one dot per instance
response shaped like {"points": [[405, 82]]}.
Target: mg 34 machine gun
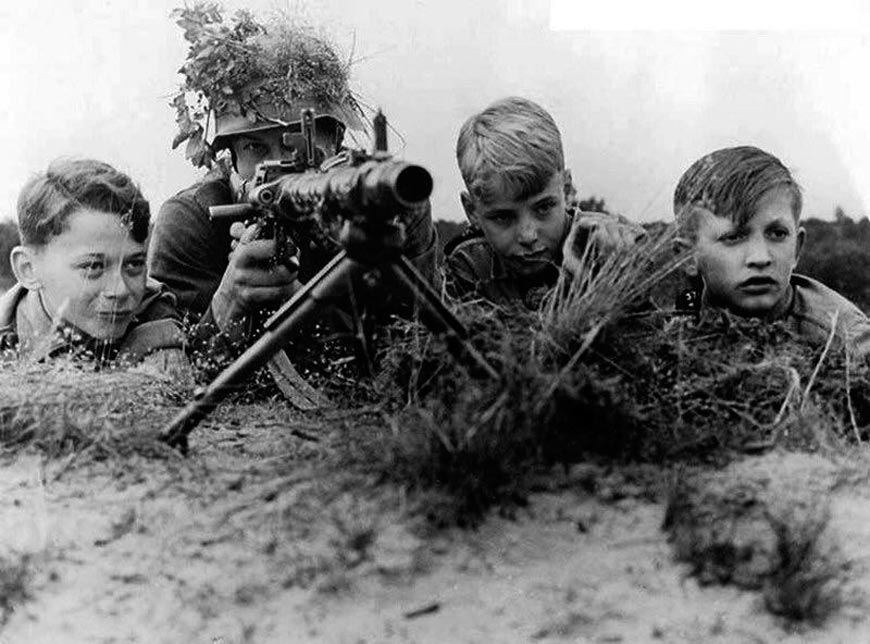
{"points": [[354, 205]]}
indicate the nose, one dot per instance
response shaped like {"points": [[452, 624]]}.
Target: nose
{"points": [[528, 231], [758, 253], [116, 287]]}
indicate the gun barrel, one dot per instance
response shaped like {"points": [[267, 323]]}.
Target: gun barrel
{"points": [[232, 212], [379, 189]]}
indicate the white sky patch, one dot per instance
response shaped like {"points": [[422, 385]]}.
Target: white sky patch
{"points": [[93, 78], [754, 15]]}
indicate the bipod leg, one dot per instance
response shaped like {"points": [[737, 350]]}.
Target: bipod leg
{"points": [[277, 329], [439, 318]]}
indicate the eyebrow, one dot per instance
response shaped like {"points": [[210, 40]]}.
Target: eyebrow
{"points": [[499, 211]]}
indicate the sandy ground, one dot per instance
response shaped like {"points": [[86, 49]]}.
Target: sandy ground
{"points": [[250, 540]]}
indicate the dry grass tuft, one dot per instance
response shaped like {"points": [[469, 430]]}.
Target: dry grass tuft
{"points": [[15, 579], [603, 370], [63, 409]]}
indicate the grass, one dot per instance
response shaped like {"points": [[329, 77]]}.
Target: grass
{"points": [[806, 582], [15, 580], [602, 372], [64, 409], [763, 525]]}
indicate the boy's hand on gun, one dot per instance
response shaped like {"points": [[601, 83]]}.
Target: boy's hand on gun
{"points": [[252, 280], [602, 234]]}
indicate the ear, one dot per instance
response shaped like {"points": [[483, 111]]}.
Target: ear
{"points": [[23, 260], [468, 206], [799, 244]]}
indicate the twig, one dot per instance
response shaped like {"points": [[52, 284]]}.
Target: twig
{"points": [[849, 402], [821, 360]]}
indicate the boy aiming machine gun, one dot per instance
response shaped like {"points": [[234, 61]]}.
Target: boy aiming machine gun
{"points": [[360, 195]]}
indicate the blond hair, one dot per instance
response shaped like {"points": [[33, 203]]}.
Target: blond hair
{"points": [[512, 148]]}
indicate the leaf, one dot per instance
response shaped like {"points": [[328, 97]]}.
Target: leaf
{"points": [[180, 138]]}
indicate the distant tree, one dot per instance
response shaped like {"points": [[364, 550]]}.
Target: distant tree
{"points": [[592, 204], [837, 253]]}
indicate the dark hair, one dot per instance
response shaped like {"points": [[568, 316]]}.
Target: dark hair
{"points": [[47, 200], [730, 183], [512, 147]]}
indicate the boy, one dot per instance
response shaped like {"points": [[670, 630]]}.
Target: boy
{"points": [[81, 270], [739, 209], [523, 229]]}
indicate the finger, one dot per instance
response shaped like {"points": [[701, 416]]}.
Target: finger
{"points": [[237, 229], [279, 275], [258, 252], [266, 295], [249, 234]]}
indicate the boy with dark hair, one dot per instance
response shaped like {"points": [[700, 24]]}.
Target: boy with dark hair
{"points": [[524, 227], [81, 269], [739, 210]]}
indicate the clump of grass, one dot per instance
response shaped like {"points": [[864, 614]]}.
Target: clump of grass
{"points": [[806, 582], [602, 370], [62, 409], [15, 580], [763, 524]]}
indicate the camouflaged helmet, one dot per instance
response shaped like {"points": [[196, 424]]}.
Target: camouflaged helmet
{"points": [[267, 115], [243, 75]]}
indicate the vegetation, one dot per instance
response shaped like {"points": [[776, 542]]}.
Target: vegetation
{"points": [[235, 65]]}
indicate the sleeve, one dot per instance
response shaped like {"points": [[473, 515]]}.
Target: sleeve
{"points": [[460, 276], [188, 254], [421, 243]]}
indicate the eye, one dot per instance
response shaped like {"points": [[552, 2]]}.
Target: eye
{"points": [[544, 208], [500, 217], [255, 148], [92, 268], [135, 266], [778, 234], [733, 237]]}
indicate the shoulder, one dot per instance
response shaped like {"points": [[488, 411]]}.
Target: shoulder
{"points": [[814, 299], [9, 302], [210, 191], [157, 324], [816, 305], [470, 250]]}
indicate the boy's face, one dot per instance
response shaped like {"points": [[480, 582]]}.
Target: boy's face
{"points": [[93, 274], [747, 269], [270, 145], [527, 233]]}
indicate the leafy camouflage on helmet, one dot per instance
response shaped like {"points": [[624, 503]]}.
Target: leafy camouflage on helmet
{"points": [[248, 75]]}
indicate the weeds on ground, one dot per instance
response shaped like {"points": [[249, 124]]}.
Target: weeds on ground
{"points": [[64, 409], [806, 580], [602, 370], [14, 585], [762, 527]]}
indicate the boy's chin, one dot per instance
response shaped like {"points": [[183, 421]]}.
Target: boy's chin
{"points": [[106, 332], [528, 268], [757, 307]]}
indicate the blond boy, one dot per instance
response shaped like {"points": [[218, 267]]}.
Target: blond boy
{"points": [[523, 227]]}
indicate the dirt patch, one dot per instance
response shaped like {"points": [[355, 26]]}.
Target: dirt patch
{"points": [[255, 538]]}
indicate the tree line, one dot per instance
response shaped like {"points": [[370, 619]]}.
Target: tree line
{"points": [[837, 253]]}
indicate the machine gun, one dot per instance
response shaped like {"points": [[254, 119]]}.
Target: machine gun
{"points": [[352, 206]]}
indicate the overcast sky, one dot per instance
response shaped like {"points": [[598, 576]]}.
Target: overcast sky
{"points": [[93, 78]]}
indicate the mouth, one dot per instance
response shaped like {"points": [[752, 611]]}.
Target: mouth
{"points": [[758, 285], [537, 256], [113, 316]]}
